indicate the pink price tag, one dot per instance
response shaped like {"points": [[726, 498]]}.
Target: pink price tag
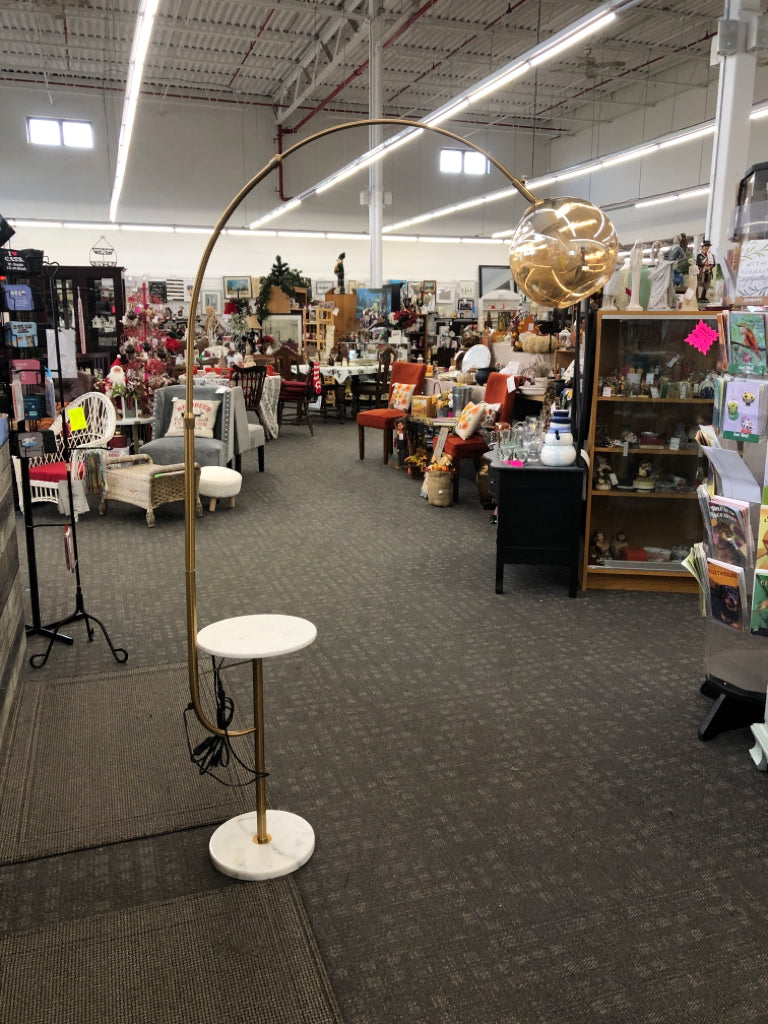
{"points": [[702, 336]]}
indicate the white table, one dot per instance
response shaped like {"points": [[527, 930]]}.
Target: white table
{"points": [[259, 844]]}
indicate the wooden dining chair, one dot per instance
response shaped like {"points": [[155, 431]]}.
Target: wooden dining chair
{"points": [[251, 380], [298, 392], [374, 393]]}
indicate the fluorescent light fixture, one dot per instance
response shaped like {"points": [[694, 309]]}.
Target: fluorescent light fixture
{"points": [[448, 113], [142, 34], [656, 202], [264, 234], [79, 224], [541, 182], [758, 112], [180, 230], [697, 133], [574, 174], [573, 37], [348, 235], [630, 154], [480, 241], [277, 212], [301, 234], [499, 82], [693, 193], [162, 228], [237, 231], [401, 238], [439, 239], [37, 223]]}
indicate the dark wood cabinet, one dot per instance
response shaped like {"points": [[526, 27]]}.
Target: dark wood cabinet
{"points": [[540, 516]]}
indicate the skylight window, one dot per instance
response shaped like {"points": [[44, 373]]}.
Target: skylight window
{"points": [[463, 161], [51, 131]]}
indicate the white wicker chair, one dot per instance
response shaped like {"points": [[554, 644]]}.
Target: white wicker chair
{"points": [[100, 426]]}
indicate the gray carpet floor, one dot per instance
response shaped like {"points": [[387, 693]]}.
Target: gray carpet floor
{"points": [[515, 819]]}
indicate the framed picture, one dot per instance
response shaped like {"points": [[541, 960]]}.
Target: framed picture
{"points": [[157, 292], [321, 287], [352, 286], [428, 286], [494, 278], [467, 290], [237, 287], [444, 294], [212, 298]]}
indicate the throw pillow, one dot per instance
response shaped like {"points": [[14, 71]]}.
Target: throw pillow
{"points": [[490, 414], [469, 419], [401, 396], [205, 417]]}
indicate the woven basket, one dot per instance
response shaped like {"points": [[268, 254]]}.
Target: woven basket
{"points": [[439, 488]]}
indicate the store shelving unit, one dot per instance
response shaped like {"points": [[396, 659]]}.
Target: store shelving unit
{"points": [[319, 329], [635, 434]]}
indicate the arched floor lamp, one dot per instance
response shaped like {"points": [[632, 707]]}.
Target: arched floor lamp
{"points": [[562, 251]]}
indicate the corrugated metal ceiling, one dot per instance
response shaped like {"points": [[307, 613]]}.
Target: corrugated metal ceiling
{"points": [[299, 57]]}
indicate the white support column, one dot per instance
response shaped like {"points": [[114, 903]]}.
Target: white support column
{"points": [[734, 102], [375, 138]]}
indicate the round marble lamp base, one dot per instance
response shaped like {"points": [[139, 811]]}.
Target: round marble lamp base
{"points": [[235, 853]]}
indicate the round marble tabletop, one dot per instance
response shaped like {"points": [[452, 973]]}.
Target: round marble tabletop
{"points": [[256, 636]]}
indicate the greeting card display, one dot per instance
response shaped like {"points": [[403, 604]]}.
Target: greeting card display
{"points": [[727, 528], [746, 343], [743, 410], [758, 622]]}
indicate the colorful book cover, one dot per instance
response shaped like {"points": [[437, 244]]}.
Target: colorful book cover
{"points": [[746, 343], [726, 594], [758, 622], [762, 540], [729, 537], [742, 410]]}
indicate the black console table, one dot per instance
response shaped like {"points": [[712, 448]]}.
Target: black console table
{"points": [[539, 516]]}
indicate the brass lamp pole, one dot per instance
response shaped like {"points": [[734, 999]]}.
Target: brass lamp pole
{"points": [[562, 251]]}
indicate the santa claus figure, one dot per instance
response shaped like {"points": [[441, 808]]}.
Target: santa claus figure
{"points": [[116, 376]]}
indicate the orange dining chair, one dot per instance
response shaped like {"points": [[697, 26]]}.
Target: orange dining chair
{"points": [[473, 447], [385, 419]]}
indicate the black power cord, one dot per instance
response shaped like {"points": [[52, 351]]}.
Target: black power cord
{"points": [[215, 751]]}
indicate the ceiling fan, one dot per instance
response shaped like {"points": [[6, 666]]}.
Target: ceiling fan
{"points": [[590, 67]]}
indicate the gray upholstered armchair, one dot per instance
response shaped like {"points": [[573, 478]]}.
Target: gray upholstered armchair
{"points": [[218, 450]]}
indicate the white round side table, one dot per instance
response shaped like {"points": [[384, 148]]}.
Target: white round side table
{"points": [[262, 843]]}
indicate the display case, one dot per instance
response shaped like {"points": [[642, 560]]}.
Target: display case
{"points": [[652, 390]]}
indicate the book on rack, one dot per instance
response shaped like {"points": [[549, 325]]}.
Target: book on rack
{"points": [[761, 547], [746, 343], [726, 594], [696, 564], [727, 528], [758, 622]]}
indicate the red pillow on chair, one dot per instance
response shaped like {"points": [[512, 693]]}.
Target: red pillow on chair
{"points": [[51, 472]]}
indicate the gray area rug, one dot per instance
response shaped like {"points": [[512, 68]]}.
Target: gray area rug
{"points": [[515, 820], [243, 954], [103, 758]]}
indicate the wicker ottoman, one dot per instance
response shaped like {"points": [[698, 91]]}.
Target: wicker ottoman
{"points": [[220, 482], [137, 480]]}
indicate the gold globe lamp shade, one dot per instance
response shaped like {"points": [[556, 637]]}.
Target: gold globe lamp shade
{"points": [[562, 251]]}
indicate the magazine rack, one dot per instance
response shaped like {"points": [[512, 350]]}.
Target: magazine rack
{"points": [[735, 675]]}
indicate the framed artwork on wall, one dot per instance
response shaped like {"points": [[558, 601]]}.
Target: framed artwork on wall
{"points": [[321, 287], [157, 292], [444, 294], [237, 287], [466, 289], [212, 298], [494, 278]]}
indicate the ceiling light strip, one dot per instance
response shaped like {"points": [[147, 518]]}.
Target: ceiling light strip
{"points": [[142, 34], [560, 41]]}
